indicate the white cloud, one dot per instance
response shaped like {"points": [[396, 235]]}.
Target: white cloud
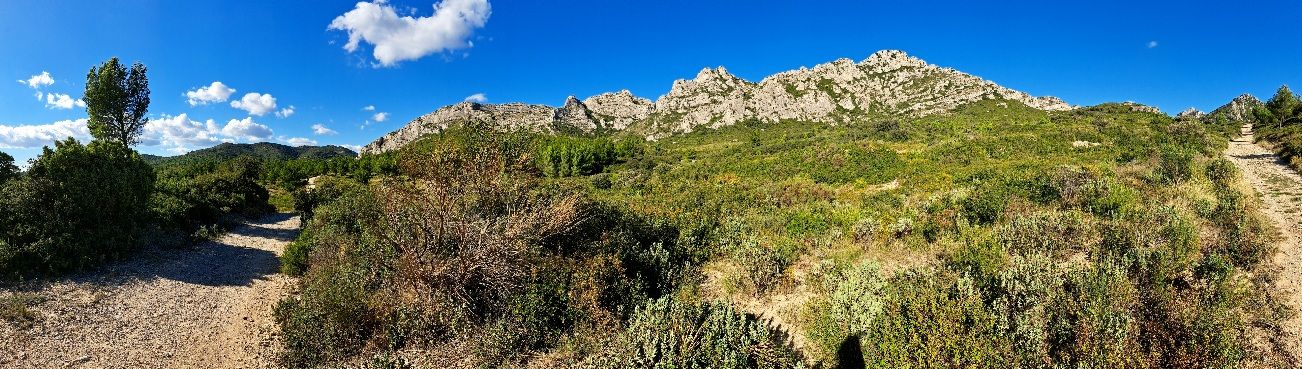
{"points": [[397, 38], [213, 93], [380, 117], [39, 80], [62, 101], [298, 141], [1152, 44], [33, 136], [477, 98], [255, 103], [369, 108], [355, 148], [321, 130], [286, 112], [179, 134], [246, 130]]}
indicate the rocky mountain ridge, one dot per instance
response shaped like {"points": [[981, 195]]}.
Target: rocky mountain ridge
{"points": [[889, 82]]}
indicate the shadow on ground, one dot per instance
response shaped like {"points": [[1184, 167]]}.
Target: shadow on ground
{"points": [[211, 263]]}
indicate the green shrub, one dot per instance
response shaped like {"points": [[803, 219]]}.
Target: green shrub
{"points": [[77, 206], [934, 320], [985, 206], [1045, 232], [1221, 171], [855, 298], [668, 333], [1175, 165]]}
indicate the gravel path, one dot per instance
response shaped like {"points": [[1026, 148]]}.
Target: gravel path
{"points": [[1281, 193], [210, 307]]}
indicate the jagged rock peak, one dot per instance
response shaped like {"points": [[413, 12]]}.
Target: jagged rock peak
{"points": [[889, 82], [1191, 113], [896, 58]]}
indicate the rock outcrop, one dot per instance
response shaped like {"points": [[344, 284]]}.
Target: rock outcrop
{"points": [[889, 82], [1238, 110], [619, 109], [1191, 113]]}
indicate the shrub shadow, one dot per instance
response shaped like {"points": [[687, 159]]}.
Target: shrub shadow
{"points": [[211, 263]]}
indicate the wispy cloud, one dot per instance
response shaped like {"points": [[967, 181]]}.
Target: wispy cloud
{"points": [[399, 38], [1152, 44], [477, 98], [286, 112], [321, 130]]}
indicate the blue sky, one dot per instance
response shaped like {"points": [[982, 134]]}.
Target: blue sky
{"points": [[1169, 54]]}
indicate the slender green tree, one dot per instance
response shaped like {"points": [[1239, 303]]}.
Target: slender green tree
{"points": [[116, 101], [1283, 107]]}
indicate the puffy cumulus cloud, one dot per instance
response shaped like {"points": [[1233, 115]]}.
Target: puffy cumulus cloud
{"points": [[355, 148], [380, 117], [62, 101], [286, 112], [321, 130], [298, 141], [246, 130], [397, 38], [255, 103], [1152, 44], [214, 93], [369, 108], [477, 98], [38, 81], [180, 133], [38, 135]]}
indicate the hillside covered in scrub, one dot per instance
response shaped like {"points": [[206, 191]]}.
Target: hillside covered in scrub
{"points": [[994, 235]]}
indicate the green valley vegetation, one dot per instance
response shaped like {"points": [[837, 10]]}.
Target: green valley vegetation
{"points": [[997, 235]]}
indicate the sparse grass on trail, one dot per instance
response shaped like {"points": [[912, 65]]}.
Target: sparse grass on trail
{"points": [[17, 308]]}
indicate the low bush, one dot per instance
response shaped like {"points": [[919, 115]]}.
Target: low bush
{"points": [[668, 333], [1175, 165]]}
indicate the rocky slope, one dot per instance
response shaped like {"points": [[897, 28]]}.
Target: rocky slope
{"points": [[1237, 110], [888, 82]]}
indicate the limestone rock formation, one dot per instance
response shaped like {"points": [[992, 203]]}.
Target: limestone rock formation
{"points": [[888, 82], [1191, 113], [1238, 110], [616, 110]]}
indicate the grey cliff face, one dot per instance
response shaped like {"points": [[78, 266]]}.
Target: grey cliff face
{"points": [[887, 82]]}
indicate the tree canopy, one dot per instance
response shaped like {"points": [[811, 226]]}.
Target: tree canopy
{"points": [[117, 100]]}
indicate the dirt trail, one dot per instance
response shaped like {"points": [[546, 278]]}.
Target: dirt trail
{"points": [[1281, 193], [210, 307]]}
